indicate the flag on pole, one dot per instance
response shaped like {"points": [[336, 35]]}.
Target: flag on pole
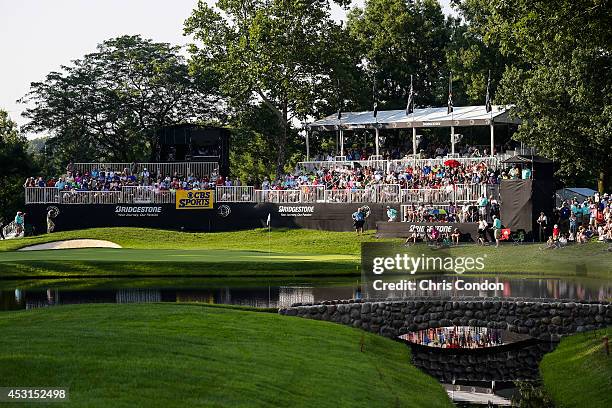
{"points": [[375, 99], [488, 106], [449, 109], [410, 104], [268, 220], [339, 107]]}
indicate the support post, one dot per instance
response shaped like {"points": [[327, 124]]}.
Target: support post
{"points": [[377, 143], [341, 142], [307, 145], [492, 127], [453, 141], [414, 146]]}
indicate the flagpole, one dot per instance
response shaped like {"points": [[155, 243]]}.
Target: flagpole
{"points": [[269, 231], [452, 112]]}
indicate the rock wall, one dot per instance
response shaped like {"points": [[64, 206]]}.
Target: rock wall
{"points": [[505, 366], [541, 319]]}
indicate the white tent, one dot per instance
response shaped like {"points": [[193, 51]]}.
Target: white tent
{"points": [[420, 118]]}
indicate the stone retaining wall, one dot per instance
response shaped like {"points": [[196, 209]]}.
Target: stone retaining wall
{"points": [[542, 319]]}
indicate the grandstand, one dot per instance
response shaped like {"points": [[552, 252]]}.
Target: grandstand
{"points": [[319, 194]]}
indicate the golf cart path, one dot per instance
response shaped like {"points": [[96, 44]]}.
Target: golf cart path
{"points": [[72, 244]]}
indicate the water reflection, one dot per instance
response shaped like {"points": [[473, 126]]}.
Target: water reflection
{"points": [[595, 290], [269, 296], [278, 293]]}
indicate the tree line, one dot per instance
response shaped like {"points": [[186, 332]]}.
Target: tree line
{"points": [[263, 67]]}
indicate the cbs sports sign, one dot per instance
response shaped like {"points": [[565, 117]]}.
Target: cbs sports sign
{"points": [[194, 199]]}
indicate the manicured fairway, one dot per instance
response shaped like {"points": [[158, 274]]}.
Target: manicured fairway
{"points": [[167, 255], [579, 373], [158, 355]]}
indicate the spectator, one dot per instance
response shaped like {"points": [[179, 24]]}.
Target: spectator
{"points": [[456, 235], [482, 231], [542, 226], [526, 173], [358, 221], [19, 223], [391, 214], [497, 227], [555, 232]]}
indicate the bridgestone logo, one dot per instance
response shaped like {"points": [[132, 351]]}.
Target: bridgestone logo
{"points": [[302, 209], [129, 210], [422, 228]]}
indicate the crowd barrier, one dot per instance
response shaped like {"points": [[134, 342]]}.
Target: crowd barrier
{"points": [[395, 165], [377, 193], [197, 169]]}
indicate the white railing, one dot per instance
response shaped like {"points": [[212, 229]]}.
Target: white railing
{"points": [[312, 193], [277, 196], [376, 193], [400, 165], [198, 169], [348, 196], [410, 213], [41, 195], [427, 195], [10, 230], [310, 166], [235, 194], [458, 193], [385, 193], [147, 195], [90, 197]]}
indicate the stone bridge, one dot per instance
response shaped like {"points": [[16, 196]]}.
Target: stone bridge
{"points": [[540, 318]]}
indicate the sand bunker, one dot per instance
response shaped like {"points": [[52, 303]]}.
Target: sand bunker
{"points": [[71, 244]]}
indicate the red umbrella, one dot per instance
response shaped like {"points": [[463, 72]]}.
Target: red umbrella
{"points": [[452, 163]]}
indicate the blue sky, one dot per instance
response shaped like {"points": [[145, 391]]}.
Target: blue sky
{"points": [[38, 36]]}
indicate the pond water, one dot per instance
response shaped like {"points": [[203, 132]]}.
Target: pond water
{"points": [[477, 371], [277, 293]]}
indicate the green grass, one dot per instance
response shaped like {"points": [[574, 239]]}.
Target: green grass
{"points": [[279, 240], [255, 253], [159, 355], [579, 373]]}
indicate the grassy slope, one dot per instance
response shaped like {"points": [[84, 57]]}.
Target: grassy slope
{"points": [[579, 373], [292, 240], [295, 252], [183, 355]]}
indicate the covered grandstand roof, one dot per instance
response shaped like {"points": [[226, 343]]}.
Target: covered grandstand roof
{"points": [[425, 117]]}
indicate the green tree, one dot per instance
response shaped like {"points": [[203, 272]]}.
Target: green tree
{"points": [[559, 55], [397, 39], [107, 105], [282, 54], [15, 166]]}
